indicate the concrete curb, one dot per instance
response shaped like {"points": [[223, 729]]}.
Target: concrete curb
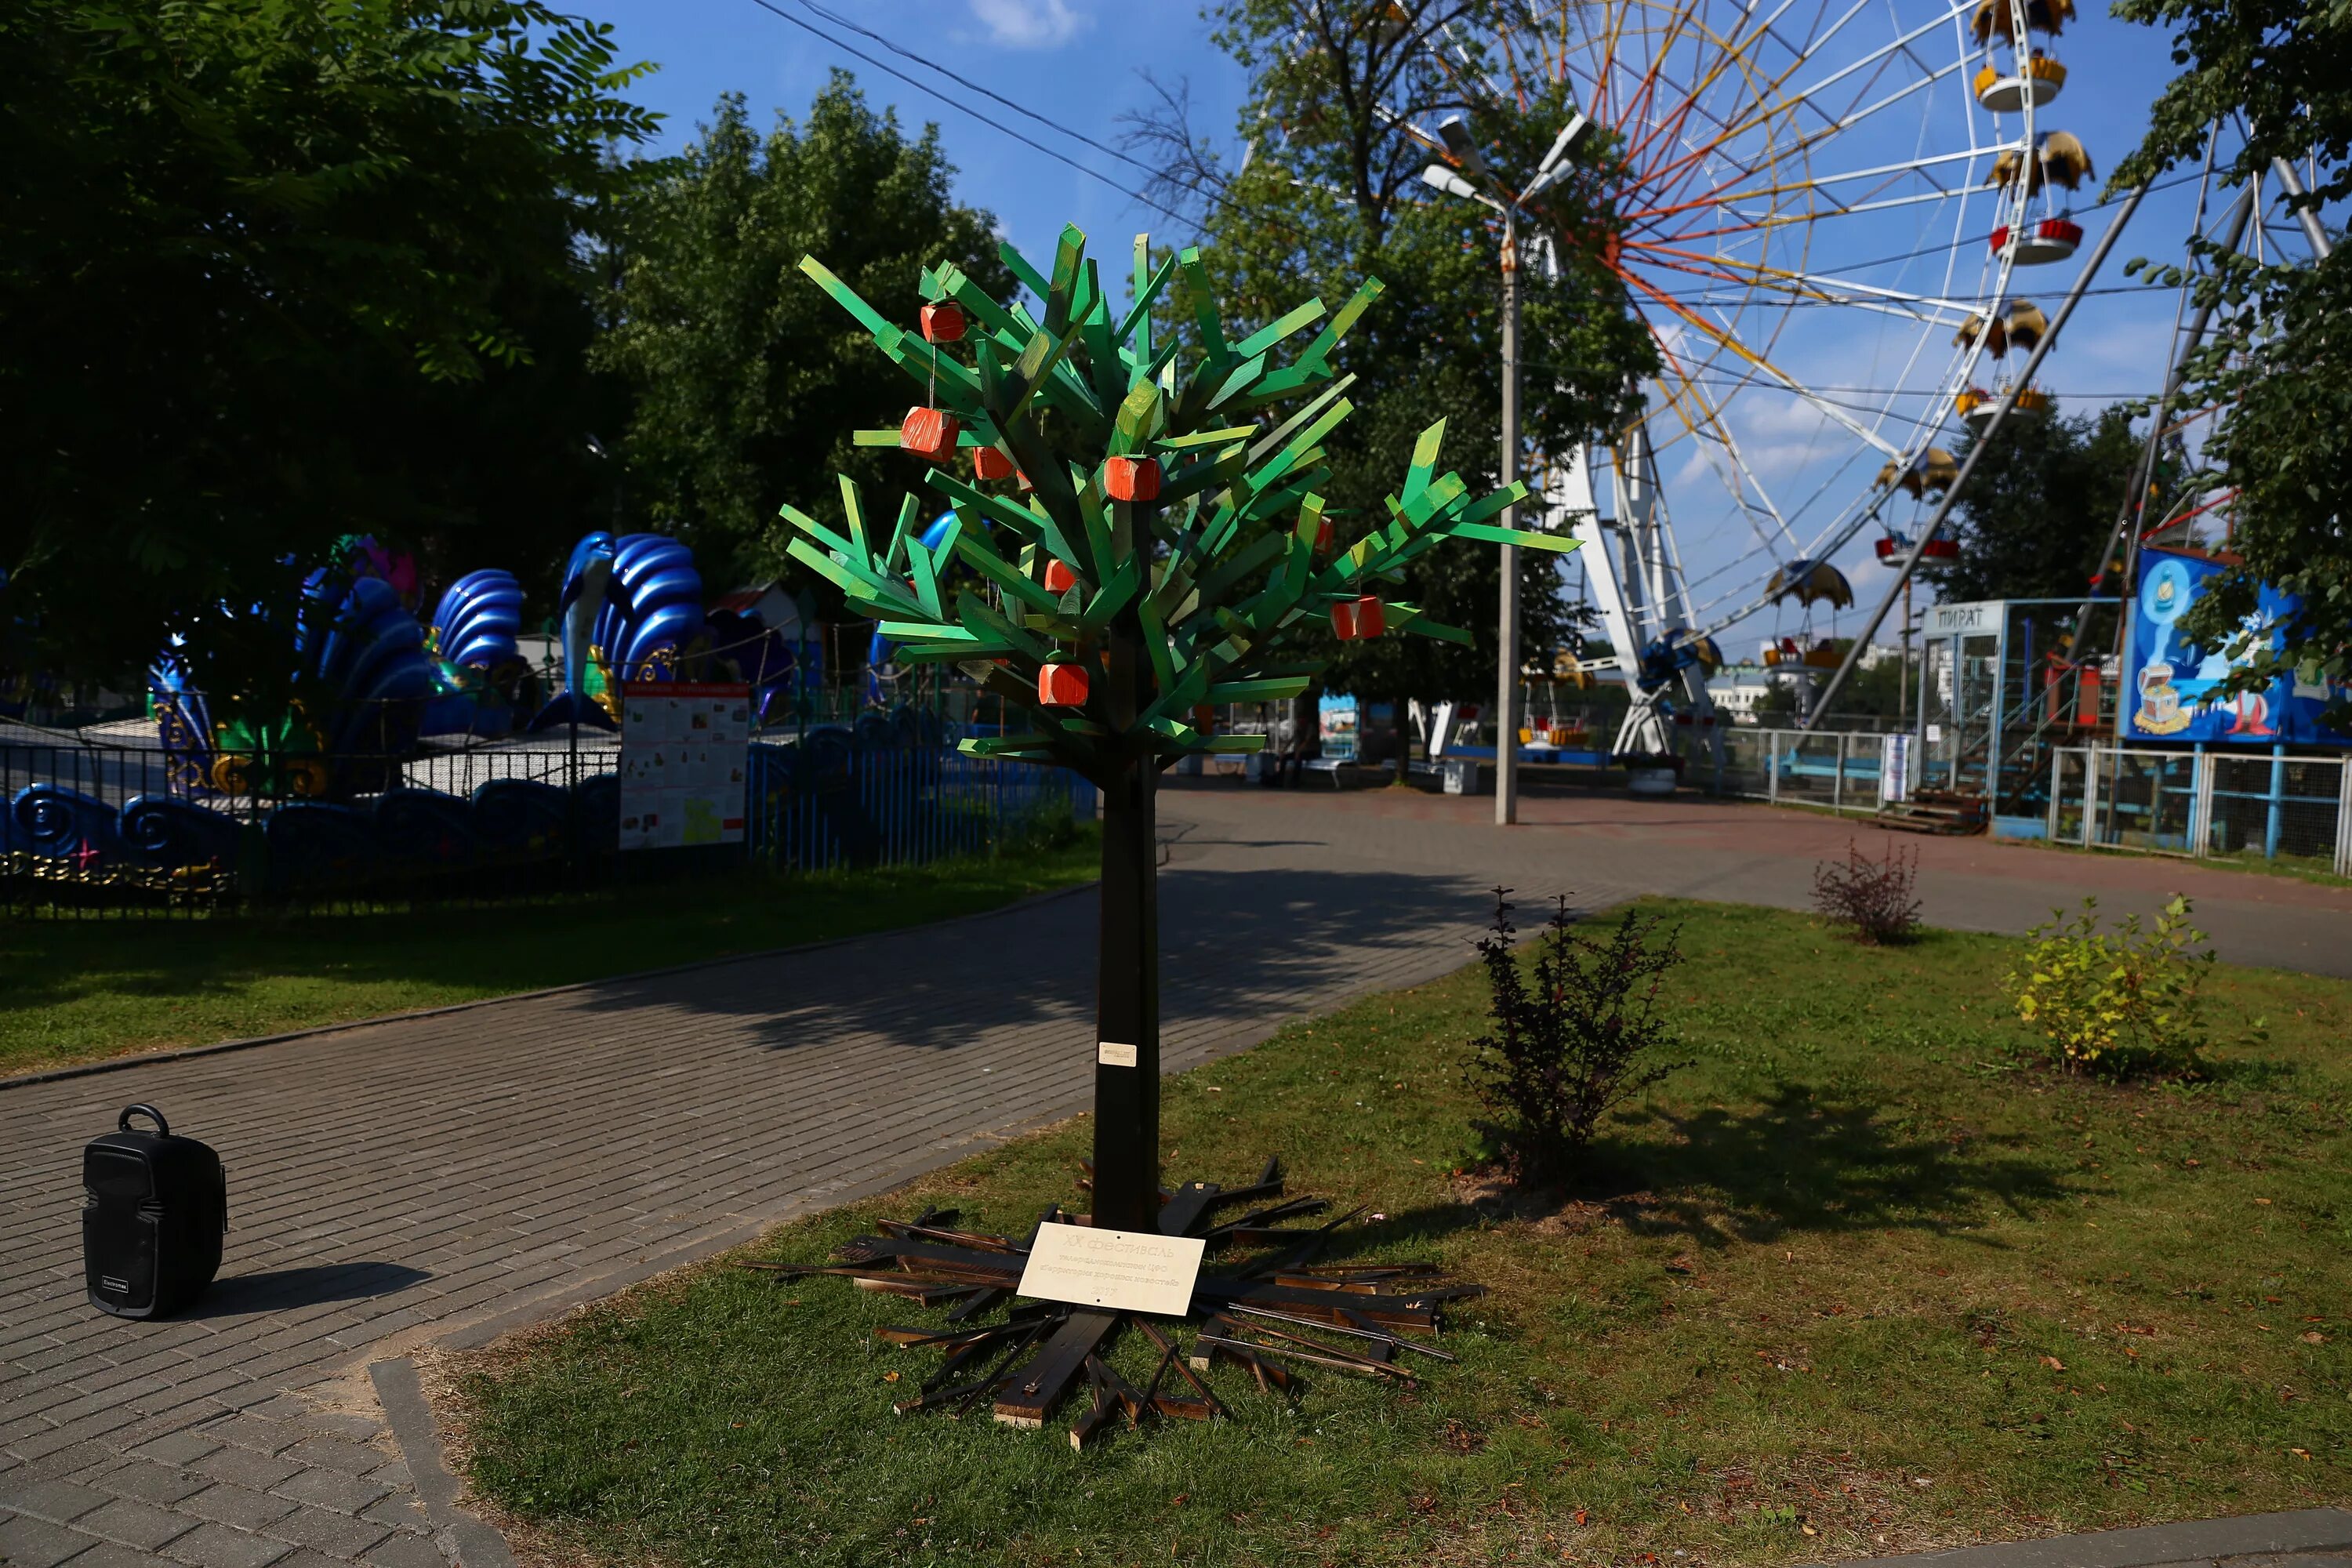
{"points": [[148, 1058], [2200, 1541], [463, 1538]]}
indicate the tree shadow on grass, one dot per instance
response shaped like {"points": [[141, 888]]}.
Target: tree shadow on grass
{"points": [[1797, 1164], [523, 942], [2249, 1073], [1791, 1163]]}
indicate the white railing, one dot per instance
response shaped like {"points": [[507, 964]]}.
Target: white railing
{"points": [[1839, 771], [2267, 805]]}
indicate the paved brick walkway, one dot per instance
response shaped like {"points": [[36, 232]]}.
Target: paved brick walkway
{"points": [[1604, 845], [2306, 1538], [415, 1179]]}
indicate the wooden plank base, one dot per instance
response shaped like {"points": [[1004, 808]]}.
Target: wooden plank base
{"points": [[1036, 1390], [1281, 1304]]}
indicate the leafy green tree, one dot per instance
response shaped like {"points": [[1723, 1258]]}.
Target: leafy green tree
{"points": [[2040, 508], [744, 377], [1878, 689], [275, 273], [1339, 194], [2279, 74]]}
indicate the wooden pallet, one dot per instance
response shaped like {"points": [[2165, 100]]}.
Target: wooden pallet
{"points": [[1937, 811]]}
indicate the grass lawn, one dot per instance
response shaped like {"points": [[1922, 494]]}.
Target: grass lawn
{"points": [[1860, 1285], [74, 990]]}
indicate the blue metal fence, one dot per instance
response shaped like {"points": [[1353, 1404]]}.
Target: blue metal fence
{"points": [[836, 798], [127, 829], [2289, 807], [94, 828]]}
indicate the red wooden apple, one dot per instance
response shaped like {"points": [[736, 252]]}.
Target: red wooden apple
{"points": [[1059, 578], [1061, 685], [1343, 620], [942, 323], [991, 463], [1131, 478], [929, 433], [1372, 618]]}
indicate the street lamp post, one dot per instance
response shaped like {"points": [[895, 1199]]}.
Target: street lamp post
{"points": [[1459, 143], [1507, 625]]}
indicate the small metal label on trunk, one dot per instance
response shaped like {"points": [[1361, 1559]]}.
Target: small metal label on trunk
{"points": [[1111, 1054]]}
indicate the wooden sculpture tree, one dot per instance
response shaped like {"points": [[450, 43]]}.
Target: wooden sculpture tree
{"points": [[1143, 540]]}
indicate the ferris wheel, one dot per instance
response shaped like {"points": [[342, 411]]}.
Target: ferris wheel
{"points": [[1834, 214]]}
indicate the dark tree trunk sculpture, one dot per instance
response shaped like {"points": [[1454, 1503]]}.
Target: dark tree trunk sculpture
{"points": [[1127, 1007]]}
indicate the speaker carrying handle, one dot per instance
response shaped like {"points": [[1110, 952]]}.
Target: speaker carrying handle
{"points": [[123, 1122]]}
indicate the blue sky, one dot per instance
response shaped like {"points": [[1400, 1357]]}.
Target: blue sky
{"points": [[1079, 63]]}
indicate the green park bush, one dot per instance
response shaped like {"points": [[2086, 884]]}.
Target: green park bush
{"points": [[2127, 1002]]}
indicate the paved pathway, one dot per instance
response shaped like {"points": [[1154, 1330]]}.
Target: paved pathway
{"points": [[2306, 1538], [454, 1175], [1607, 845]]}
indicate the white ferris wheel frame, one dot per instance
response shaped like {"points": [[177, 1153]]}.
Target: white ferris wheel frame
{"points": [[1644, 596]]}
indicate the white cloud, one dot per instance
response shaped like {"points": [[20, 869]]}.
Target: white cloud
{"points": [[1780, 436], [2117, 352], [1030, 23]]}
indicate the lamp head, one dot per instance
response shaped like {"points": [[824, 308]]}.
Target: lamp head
{"points": [[1446, 180], [1455, 132], [1574, 135]]}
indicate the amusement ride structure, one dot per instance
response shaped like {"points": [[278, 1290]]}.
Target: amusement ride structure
{"points": [[1811, 193]]}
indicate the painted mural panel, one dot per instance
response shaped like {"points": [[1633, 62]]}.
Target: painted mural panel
{"points": [[2172, 686]]}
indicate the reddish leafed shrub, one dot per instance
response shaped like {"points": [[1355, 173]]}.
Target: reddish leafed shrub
{"points": [[1875, 901]]}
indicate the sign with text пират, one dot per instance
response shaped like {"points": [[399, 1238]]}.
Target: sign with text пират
{"points": [[1123, 1271]]}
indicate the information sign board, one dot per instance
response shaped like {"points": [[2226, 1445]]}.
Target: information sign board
{"points": [[1123, 1271], [685, 754]]}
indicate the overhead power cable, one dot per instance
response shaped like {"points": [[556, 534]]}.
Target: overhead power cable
{"points": [[924, 88], [839, 20], [1220, 196]]}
